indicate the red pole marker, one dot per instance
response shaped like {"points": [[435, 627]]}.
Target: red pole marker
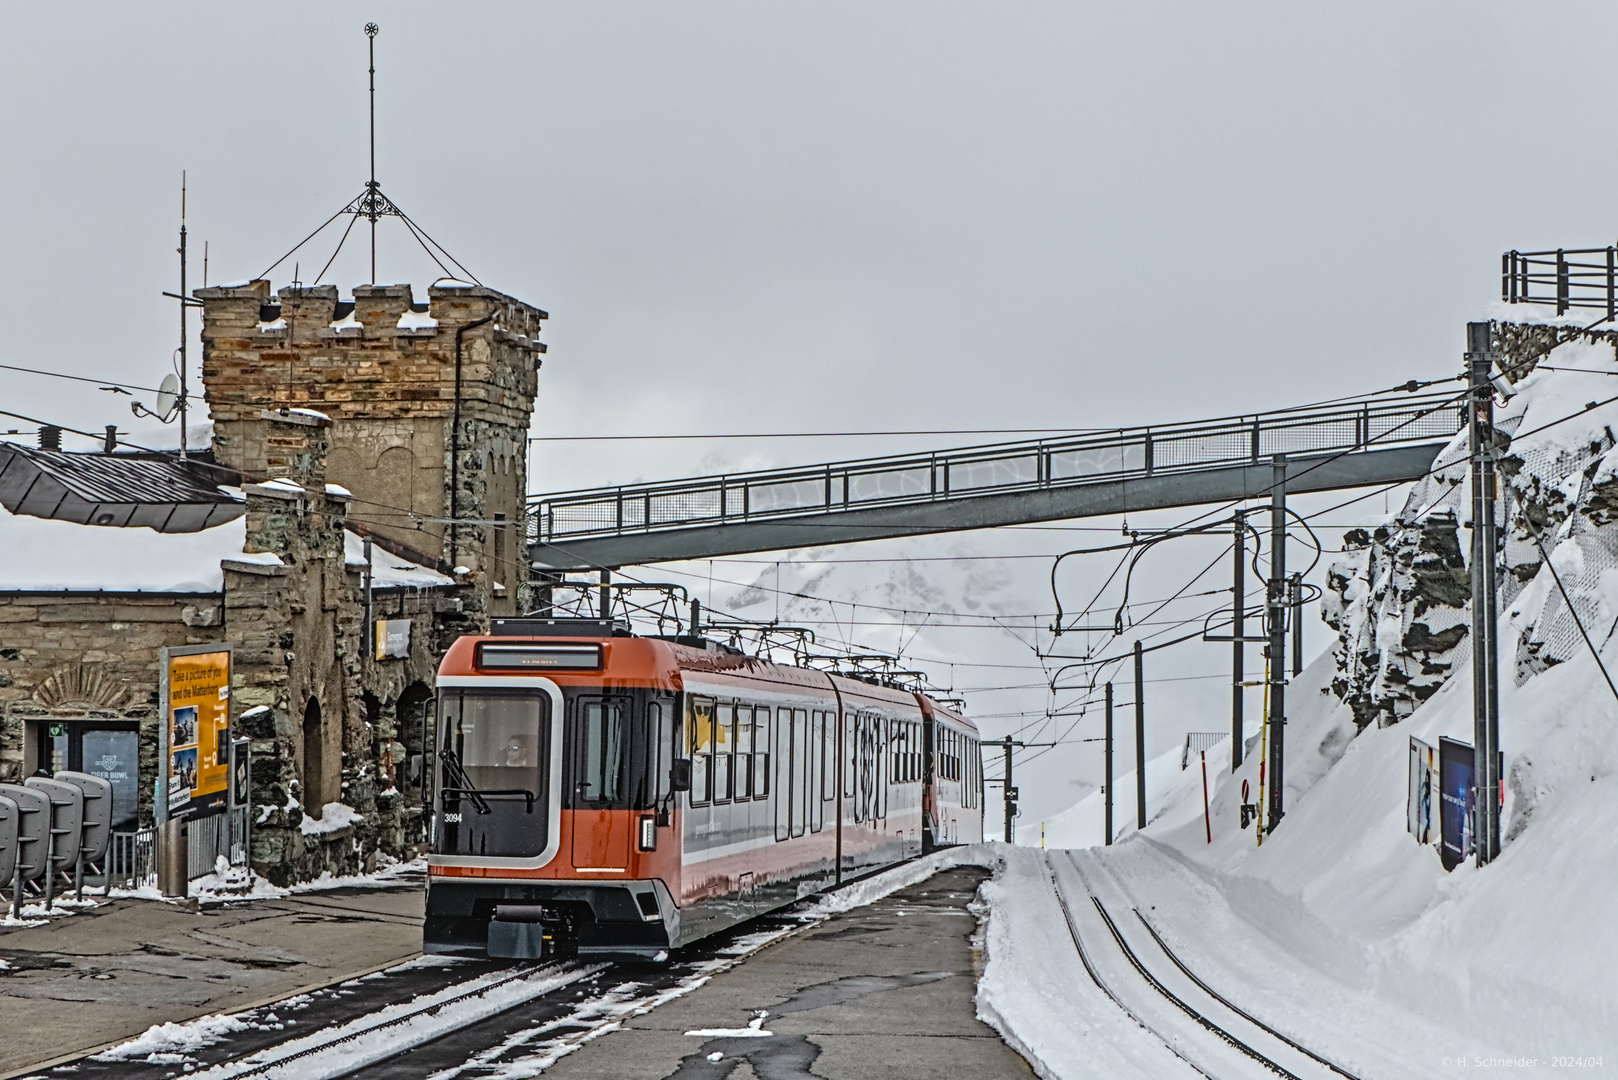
{"points": [[1207, 822]]}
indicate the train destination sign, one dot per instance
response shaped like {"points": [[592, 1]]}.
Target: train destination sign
{"points": [[194, 736]]}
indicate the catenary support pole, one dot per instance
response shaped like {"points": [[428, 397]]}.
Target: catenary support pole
{"points": [[1009, 792], [1140, 740], [1106, 773], [1276, 595], [1238, 624], [1485, 628], [606, 594]]}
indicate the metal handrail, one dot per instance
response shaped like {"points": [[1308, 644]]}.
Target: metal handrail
{"points": [[989, 469], [1565, 278]]}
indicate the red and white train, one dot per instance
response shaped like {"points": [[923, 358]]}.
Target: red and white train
{"points": [[619, 796]]}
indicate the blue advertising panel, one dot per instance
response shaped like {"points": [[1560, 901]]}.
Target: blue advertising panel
{"points": [[1456, 768]]}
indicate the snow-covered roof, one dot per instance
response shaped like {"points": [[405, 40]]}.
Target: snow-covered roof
{"points": [[389, 571], [42, 555]]}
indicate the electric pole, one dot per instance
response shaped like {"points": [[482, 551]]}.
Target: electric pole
{"points": [[1106, 769], [1277, 597], [1485, 628], [1238, 622], [1140, 740], [1008, 790]]}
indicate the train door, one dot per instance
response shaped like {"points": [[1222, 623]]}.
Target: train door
{"points": [[851, 762], [783, 773], [880, 748], [600, 757], [817, 767], [801, 757]]}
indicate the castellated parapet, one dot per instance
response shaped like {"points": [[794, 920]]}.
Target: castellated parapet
{"points": [[383, 368]]}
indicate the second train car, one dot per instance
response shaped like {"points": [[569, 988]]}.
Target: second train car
{"points": [[617, 796]]}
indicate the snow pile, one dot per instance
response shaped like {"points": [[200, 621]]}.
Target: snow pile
{"points": [[333, 816], [868, 890], [169, 1044]]}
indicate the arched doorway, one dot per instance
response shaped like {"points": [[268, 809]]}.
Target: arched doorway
{"points": [[314, 760]]}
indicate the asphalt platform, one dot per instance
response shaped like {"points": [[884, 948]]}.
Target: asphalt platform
{"points": [[878, 993], [107, 973], [882, 991]]}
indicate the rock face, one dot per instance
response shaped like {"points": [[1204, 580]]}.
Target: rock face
{"points": [[1400, 596]]}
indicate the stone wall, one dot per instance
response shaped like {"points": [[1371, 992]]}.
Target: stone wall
{"points": [[385, 374], [88, 656]]}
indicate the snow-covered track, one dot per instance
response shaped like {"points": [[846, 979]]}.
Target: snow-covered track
{"points": [[348, 1047], [1221, 1026]]}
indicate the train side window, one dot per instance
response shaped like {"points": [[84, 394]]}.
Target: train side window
{"points": [[850, 754], [657, 746], [761, 753], [744, 753], [603, 747], [724, 751], [700, 747]]}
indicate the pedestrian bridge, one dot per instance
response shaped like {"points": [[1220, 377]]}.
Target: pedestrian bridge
{"points": [[1361, 443]]}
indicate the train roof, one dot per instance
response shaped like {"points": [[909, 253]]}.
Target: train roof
{"points": [[941, 710], [629, 660]]}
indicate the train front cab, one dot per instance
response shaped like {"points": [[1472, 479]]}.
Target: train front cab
{"points": [[551, 827]]}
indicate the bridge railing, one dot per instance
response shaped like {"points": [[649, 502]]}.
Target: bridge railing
{"points": [[1566, 278], [989, 470]]}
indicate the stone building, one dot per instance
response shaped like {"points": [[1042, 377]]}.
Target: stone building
{"points": [[336, 423]]}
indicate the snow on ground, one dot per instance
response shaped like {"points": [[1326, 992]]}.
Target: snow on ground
{"points": [[1341, 925], [1341, 928]]}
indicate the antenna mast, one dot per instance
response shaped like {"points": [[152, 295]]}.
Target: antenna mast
{"points": [[373, 202], [372, 205], [184, 307]]}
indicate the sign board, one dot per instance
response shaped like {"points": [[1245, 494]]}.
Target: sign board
{"points": [[392, 639], [1455, 773], [193, 773], [241, 773], [1419, 807]]}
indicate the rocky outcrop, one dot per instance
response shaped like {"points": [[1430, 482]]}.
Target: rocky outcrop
{"points": [[1399, 597]]}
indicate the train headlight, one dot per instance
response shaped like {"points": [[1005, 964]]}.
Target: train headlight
{"points": [[648, 832]]}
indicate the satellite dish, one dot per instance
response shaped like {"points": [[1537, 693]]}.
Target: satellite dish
{"points": [[168, 394]]}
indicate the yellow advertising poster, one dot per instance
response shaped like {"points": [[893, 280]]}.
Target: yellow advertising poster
{"points": [[198, 731]]}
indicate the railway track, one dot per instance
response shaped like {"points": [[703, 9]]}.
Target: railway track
{"points": [[1135, 967], [432, 1018]]}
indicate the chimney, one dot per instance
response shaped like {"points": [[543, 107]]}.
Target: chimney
{"points": [[50, 437]]}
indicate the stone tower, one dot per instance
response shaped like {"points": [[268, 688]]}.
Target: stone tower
{"points": [[429, 404]]}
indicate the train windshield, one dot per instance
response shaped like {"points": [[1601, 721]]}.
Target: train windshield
{"points": [[494, 766]]}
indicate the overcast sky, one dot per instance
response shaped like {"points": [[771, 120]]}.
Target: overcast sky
{"points": [[817, 217]]}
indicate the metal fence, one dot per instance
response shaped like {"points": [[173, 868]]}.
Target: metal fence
{"points": [[1197, 742], [984, 470], [1566, 278], [224, 835], [132, 857]]}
